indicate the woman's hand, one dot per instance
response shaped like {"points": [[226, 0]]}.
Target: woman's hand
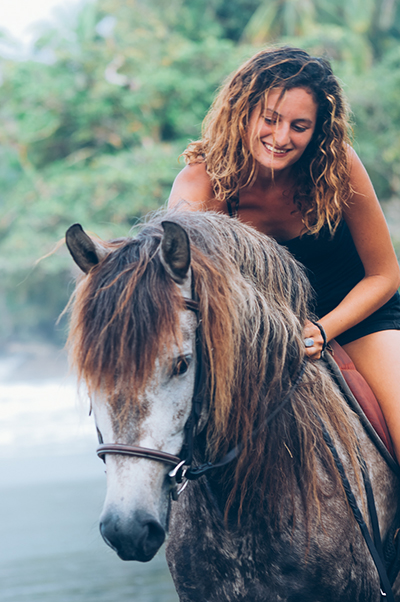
{"points": [[313, 340]]}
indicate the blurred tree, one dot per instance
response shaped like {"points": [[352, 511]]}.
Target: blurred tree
{"points": [[233, 16], [93, 126], [274, 19], [358, 32], [374, 97]]}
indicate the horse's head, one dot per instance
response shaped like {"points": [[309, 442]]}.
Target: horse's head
{"points": [[136, 342], [141, 388]]}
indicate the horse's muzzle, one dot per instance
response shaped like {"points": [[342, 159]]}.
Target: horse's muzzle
{"points": [[138, 538]]}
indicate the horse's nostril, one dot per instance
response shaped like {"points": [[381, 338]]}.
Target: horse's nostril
{"points": [[104, 536], [153, 537], [108, 529]]}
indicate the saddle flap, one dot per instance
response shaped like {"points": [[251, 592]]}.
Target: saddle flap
{"points": [[363, 394]]}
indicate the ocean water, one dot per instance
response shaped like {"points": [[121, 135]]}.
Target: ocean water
{"points": [[52, 488]]}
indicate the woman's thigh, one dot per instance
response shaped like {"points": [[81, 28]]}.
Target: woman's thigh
{"points": [[377, 357]]}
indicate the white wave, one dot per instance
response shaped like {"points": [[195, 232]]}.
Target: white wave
{"points": [[43, 416]]}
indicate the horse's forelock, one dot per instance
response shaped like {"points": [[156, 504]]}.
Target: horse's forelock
{"points": [[124, 310]]}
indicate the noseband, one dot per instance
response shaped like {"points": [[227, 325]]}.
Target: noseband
{"points": [[139, 452]]}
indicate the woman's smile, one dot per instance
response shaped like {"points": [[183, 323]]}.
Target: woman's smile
{"points": [[270, 148], [274, 149]]}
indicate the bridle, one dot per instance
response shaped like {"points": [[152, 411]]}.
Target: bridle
{"points": [[183, 471]]}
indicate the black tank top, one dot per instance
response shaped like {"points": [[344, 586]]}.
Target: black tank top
{"points": [[332, 264]]}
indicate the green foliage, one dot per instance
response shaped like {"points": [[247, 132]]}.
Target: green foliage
{"points": [[93, 124], [357, 32], [30, 303], [374, 97], [274, 19], [92, 130]]}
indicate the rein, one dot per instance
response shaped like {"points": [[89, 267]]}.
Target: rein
{"points": [[374, 543]]}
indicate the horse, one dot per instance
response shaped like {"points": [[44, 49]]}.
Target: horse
{"points": [[188, 336]]}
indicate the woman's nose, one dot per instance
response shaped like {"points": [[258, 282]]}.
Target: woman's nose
{"points": [[282, 134]]}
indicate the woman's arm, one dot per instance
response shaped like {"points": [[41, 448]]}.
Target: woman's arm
{"points": [[370, 233]]}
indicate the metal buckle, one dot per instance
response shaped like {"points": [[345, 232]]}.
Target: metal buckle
{"points": [[176, 476]]}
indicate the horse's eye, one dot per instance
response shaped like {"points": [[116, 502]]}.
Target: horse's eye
{"points": [[181, 366], [100, 438]]}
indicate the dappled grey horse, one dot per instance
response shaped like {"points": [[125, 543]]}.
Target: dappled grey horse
{"points": [[213, 425]]}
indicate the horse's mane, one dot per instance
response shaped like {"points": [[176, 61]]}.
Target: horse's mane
{"points": [[254, 300]]}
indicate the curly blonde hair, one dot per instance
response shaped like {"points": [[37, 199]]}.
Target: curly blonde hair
{"points": [[322, 173]]}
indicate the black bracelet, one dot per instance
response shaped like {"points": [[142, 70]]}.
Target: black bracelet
{"points": [[323, 334]]}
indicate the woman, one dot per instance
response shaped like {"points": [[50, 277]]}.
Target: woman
{"points": [[275, 152]]}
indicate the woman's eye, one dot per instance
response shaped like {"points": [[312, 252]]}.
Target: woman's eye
{"points": [[299, 128], [181, 366]]}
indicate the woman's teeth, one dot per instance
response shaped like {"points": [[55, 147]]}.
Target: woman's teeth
{"points": [[274, 150]]}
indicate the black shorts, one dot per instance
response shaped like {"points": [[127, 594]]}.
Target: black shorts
{"points": [[385, 318]]}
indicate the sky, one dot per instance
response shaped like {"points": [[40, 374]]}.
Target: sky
{"points": [[17, 16]]}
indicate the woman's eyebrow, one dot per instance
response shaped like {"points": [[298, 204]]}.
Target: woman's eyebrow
{"points": [[304, 120], [277, 115]]}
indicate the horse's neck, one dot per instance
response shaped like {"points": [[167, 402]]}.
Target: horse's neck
{"points": [[215, 489]]}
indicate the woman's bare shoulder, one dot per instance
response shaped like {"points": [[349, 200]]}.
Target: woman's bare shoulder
{"points": [[192, 189]]}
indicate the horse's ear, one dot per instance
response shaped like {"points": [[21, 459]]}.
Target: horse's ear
{"points": [[85, 252], [175, 251]]}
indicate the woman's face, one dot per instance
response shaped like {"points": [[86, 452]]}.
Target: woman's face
{"points": [[278, 136]]}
